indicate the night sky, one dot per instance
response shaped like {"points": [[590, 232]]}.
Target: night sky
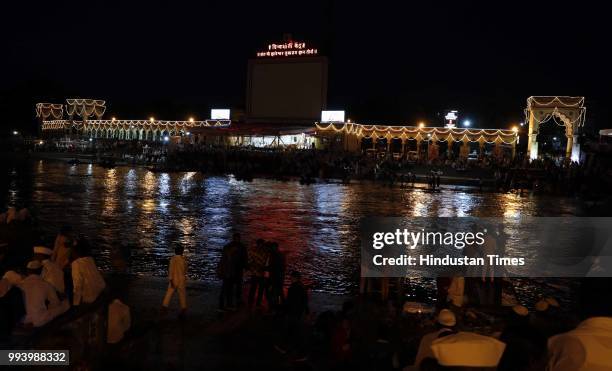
{"points": [[390, 62]]}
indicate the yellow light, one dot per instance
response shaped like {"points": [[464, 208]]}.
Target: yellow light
{"points": [[113, 118], [515, 129], [151, 119], [421, 124], [191, 119]]}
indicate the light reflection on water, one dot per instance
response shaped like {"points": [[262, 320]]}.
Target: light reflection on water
{"points": [[316, 225]]}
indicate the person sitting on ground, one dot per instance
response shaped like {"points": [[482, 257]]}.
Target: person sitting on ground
{"points": [[119, 321], [11, 303], [51, 272], [41, 301], [296, 304], [86, 278], [588, 346], [177, 275], [11, 215], [467, 351], [296, 307], [62, 246], [445, 324], [525, 345], [546, 322]]}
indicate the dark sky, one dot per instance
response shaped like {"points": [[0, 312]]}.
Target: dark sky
{"points": [[390, 61]]}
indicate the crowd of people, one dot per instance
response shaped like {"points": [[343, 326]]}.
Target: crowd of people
{"points": [[54, 280], [549, 175], [468, 328]]}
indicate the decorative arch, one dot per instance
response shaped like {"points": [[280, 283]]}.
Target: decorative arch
{"points": [[568, 112]]}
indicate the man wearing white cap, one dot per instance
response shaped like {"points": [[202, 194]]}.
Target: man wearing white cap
{"points": [[40, 298], [446, 323], [51, 271]]}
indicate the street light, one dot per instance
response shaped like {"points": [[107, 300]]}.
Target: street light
{"points": [[191, 119], [15, 132], [421, 124], [467, 123], [151, 119], [515, 129]]}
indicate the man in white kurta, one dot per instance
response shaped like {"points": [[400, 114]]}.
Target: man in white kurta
{"points": [[177, 272], [587, 347], [51, 271], [87, 280], [40, 299]]}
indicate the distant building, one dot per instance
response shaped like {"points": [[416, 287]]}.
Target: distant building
{"points": [[286, 84]]}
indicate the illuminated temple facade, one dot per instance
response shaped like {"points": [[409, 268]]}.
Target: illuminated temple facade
{"points": [[421, 141], [83, 119]]}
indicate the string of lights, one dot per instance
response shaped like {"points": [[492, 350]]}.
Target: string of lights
{"points": [[46, 110], [422, 133], [125, 124]]}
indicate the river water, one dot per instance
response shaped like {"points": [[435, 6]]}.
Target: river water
{"points": [[315, 225]]}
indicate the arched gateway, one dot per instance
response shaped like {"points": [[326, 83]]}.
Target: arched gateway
{"points": [[568, 112]]}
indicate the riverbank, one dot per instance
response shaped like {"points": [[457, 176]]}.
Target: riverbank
{"points": [[205, 338], [421, 172]]}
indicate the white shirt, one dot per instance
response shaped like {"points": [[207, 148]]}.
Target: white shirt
{"points": [[177, 271], [53, 274], [587, 347], [37, 293], [425, 346], [119, 321], [87, 280]]}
